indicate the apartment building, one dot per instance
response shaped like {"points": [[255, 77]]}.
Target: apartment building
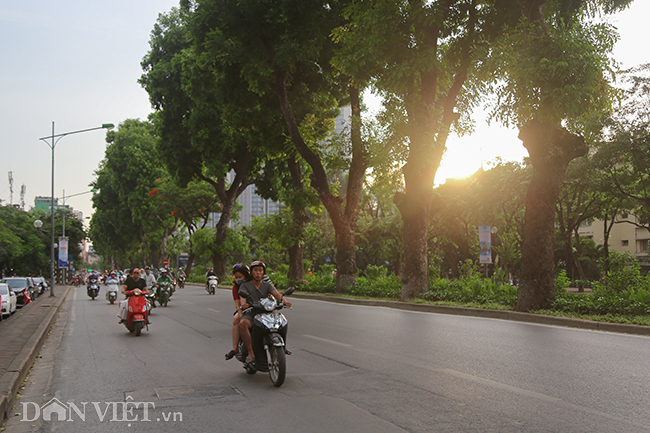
{"points": [[625, 236]]}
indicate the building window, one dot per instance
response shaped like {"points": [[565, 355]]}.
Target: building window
{"points": [[625, 243]]}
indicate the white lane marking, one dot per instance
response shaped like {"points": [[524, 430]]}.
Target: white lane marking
{"points": [[327, 341], [216, 311]]}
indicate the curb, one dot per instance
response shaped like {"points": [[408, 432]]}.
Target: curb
{"points": [[490, 314], [14, 377]]}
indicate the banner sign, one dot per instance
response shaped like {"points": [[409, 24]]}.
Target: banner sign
{"points": [[485, 244], [63, 252]]}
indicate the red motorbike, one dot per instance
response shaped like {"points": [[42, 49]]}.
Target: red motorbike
{"points": [[136, 314], [76, 281]]}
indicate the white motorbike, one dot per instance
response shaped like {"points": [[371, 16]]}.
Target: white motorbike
{"points": [[212, 284], [111, 292]]}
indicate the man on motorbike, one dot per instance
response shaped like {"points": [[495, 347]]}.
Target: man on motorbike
{"points": [[210, 273], [164, 277], [112, 278], [254, 291], [149, 277], [132, 282], [92, 279]]}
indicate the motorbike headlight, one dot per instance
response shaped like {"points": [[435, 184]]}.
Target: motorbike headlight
{"points": [[268, 304], [137, 292], [272, 321]]}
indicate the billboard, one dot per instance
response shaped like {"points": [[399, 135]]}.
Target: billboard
{"points": [[485, 244], [63, 252]]}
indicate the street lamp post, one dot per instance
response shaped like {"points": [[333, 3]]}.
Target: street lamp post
{"points": [[94, 190], [52, 145]]}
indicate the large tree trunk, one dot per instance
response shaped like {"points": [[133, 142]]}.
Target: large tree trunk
{"points": [[190, 263], [551, 148], [344, 216], [218, 259], [228, 198], [414, 209], [296, 266], [346, 262]]}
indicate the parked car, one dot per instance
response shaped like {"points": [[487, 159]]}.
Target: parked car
{"points": [[42, 283], [8, 301], [21, 287]]}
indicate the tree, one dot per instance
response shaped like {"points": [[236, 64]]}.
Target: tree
{"points": [[623, 153], [283, 50], [191, 205], [128, 225], [24, 250], [555, 69], [212, 128], [423, 58], [580, 199]]}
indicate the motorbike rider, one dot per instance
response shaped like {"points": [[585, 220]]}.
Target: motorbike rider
{"points": [[92, 279], [149, 278], [254, 291], [112, 278], [210, 273], [132, 282], [164, 277], [240, 274]]}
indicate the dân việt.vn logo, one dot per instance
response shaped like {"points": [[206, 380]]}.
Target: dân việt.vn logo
{"points": [[114, 411]]}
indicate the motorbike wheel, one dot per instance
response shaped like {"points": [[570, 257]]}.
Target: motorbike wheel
{"points": [[165, 303], [138, 329], [112, 301], [278, 366], [92, 297]]}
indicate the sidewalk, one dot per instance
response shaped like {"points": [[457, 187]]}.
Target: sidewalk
{"points": [[21, 337]]}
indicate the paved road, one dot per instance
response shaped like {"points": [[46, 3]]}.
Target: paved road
{"points": [[353, 368]]}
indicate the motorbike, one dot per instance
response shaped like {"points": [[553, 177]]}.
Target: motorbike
{"points": [[165, 293], [137, 314], [93, 291], [76, 281], [212, 284], [267, 334], [111, 292], [181, 282], [151, 299]]}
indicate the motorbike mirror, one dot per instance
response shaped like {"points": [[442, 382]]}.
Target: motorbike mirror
{"points": [[289, 291]]}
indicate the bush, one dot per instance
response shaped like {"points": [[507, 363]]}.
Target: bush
{"points": [[624, 272], [471, 289], [384, 286], [562, 281], [197, 274]]}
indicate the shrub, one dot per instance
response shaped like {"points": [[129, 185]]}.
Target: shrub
{"points": [[562, 281], [385, 286], [471, 289]]}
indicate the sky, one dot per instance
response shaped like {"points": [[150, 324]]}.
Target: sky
{"points": [[77, 62]]}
